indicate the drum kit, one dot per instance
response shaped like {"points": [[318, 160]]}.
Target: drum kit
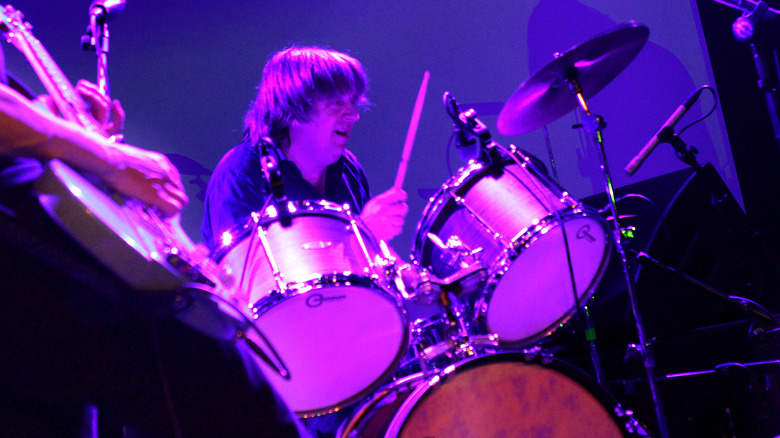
{"points": [[507, 254]]}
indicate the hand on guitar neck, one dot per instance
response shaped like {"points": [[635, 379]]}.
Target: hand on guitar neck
{"points": [[79, 137], [28, 130], [108, 113]]}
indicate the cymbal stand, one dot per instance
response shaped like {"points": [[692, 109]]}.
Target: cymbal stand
{"points": [[595, 124]]}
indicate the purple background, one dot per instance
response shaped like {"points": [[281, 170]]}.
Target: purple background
{"points": [[185, 72]]}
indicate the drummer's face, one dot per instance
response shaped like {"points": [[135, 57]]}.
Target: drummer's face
{"points": [[324, 137]]}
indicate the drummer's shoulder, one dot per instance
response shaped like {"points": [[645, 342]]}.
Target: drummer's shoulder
{"points": [[352, 166], [239, 157]]}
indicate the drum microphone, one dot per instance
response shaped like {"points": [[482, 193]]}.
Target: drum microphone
{"points": [[273, 177], [270, 168], [474, 140], [467, 144], [678, 114]]}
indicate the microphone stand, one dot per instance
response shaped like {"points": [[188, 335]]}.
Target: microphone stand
{"points": [[595, 125], [100, 13], [748, 28], [687, 154], [747, 306]]}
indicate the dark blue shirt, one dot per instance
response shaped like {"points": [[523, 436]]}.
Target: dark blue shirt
{"points": [[237, 188]]}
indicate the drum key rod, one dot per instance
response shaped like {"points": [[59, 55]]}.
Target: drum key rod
{"points": [[278, 276], [354, 228]]}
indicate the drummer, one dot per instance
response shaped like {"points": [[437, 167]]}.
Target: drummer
{"points": [[308, 101]]}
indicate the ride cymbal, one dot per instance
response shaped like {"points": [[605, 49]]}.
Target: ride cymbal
{"points": [[548, 94]]}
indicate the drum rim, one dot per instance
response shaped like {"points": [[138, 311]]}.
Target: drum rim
{"points": [[334, 280], [608, 401], [306, 207], [503, 264], [392, 368]]}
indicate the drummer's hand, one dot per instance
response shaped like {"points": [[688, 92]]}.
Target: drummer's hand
{"points": [[384, 214]]}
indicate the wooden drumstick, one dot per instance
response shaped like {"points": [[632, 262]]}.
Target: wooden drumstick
{"points": [[418, 104]]}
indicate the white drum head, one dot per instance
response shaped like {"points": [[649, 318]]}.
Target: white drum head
{"points": [[535, 294], [338, 343]]}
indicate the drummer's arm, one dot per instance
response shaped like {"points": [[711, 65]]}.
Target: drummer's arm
{"points": [[385, 214]]}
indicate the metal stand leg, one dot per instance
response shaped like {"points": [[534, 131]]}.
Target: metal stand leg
{"points": [[595, 124]]}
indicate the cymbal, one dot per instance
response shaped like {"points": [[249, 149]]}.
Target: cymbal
{"points": [[547, 95]]}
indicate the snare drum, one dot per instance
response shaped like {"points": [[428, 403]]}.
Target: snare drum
{"points": [[441, 340], [531, 235], [504, 394], [315, 284]]}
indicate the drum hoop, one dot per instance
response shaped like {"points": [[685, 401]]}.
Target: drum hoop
{"points": [[616, 411], [530, 234], [334, 280], [298, 208]]}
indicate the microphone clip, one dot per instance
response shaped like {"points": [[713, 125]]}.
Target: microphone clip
{"points": [[468, 120], [686, 154], [745, 26], [473, 136]]}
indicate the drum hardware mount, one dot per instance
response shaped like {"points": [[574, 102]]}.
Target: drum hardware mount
{"points": [[416, 283], [461, 343], [455, 250]]}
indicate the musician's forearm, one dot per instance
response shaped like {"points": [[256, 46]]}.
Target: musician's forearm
{"points": [[29, 131]]}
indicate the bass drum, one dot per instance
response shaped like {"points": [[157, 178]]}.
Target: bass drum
{"points": [[504, 394], [320, 294], [531, 236]]}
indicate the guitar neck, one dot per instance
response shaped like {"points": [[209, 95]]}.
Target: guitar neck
{"points": [[62, 92]]}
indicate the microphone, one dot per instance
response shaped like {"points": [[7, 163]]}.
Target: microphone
{"points": [[678, 114], [273, 177], [270, 168]]}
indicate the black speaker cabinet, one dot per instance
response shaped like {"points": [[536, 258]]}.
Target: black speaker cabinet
{"points": [[715, 363]]}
